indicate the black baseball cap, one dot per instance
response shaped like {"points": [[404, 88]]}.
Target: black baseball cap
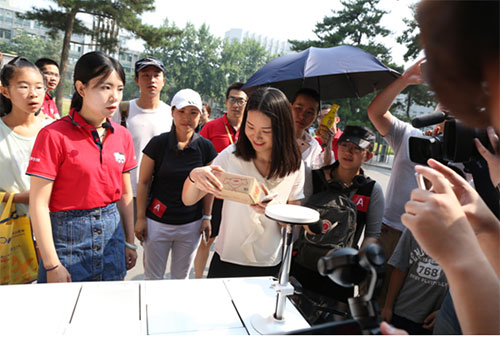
{"points": [[358, 135], [146, 62]]}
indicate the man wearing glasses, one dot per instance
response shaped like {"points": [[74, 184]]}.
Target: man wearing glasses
{"points": [[222, 132], [50, 71]]}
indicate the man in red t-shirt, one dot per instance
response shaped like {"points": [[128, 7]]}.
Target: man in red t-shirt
{"points": [[50, 71], [336, 132], [222, 132]]}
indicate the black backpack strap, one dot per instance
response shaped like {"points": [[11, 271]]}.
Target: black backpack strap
{"points": [[364, 190]]}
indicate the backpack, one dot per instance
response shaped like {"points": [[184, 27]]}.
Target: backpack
{"points": [[343, 220], [124, 108]]}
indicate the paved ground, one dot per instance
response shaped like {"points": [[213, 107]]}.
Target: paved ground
{"points": [[376, 170]]}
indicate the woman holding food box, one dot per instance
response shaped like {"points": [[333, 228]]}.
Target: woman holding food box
{"points": [[164, 223], [249, 243]]}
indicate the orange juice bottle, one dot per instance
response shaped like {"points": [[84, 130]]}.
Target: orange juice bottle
{"points": [[329, 118]]}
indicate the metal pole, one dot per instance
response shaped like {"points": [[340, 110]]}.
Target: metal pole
{"points": [[285, 271]]}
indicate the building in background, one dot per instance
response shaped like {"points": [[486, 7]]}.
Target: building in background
{"points": [[11, 25], [273, 46]]}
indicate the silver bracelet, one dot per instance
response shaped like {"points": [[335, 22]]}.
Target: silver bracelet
{"points": [[206, 217], [131, 246]]}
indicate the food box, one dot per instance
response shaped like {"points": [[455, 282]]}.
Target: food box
{"points": [[238, 187]]}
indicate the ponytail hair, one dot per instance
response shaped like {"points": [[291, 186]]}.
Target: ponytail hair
{"points": [[92, 65], [6, 75]]}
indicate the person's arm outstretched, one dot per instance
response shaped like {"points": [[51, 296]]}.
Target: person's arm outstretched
{"points": [[199, 182], [378, 110]]}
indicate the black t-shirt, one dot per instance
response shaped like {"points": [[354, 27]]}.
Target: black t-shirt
{"points": [[166, 204]]}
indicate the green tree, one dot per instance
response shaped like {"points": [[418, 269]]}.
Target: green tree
{"points": [[357, 24], [31, 47], [416, 94], [410, 36], [125, 12], [198, 60]]}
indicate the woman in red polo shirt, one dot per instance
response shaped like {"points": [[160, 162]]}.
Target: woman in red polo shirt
{"points": [[80, 172]]}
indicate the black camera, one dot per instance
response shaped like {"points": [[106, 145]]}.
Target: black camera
{"points": [[456, 144], [348, 267]]}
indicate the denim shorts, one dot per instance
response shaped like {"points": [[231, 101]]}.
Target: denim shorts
{"points": [[89, 244]]}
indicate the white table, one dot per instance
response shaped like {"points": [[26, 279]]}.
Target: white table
{"points": [[141, 308]]}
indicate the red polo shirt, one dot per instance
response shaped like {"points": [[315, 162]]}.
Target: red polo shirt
{"points": [[49, 107], [220, 133], [84, 176], [335, 140]]}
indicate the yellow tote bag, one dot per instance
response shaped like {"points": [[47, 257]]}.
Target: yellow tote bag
{"points": [[18, 261]]}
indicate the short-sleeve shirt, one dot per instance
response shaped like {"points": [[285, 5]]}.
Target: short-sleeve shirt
{"points": [[246, 237], [335, 146], [143, 125], [85, 176], [166, 204], [49, 107], [220, 132], [425, 285], [402, 180], [313, 160]]}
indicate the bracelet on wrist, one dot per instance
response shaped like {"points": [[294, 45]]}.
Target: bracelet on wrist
{"points": [[131, 246], [206, 217], [189, 176], [52, 268]]}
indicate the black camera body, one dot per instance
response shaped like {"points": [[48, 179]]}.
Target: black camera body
{"points": [[456, 144]]}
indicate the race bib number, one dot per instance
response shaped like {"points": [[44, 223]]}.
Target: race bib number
{"points": [[428, 270]]}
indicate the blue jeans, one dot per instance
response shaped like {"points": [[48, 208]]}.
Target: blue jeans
{"points": [[89, 244]]}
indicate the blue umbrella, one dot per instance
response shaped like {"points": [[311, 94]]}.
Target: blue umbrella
{"points": [[337, 72]]}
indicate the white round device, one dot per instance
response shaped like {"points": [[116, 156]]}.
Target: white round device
{"points": [[292, 214]]}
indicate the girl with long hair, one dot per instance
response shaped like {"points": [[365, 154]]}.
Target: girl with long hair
{"points": [[249, 243]]}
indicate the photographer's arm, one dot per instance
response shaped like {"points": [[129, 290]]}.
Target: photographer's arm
{"points": [[493, 158], [378, 111], [439, 224], [484, 223]]}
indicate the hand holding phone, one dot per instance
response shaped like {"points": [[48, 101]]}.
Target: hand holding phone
{"points": [[423, 183], [268, 198]]}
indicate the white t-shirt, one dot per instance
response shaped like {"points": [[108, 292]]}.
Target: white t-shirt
{"points": [[402, 180], [245, 237], [313, 160], [15, 151], [144, 125]]}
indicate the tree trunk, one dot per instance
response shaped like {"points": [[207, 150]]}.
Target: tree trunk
{"points": [[70, 22]]}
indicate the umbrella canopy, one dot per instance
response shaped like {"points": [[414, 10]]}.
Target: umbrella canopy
{"points": [[337, 72]]}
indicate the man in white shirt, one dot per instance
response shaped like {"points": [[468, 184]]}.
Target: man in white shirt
{"points": [[146, 116], [305, 108]]}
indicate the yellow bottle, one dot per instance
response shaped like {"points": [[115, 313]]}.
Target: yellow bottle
{"points": [[329, 118]]}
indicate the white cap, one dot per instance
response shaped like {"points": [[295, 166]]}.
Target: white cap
{"points": [[186, 97]]}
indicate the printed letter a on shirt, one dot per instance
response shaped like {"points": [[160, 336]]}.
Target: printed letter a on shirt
{"points": [[157, 207]]}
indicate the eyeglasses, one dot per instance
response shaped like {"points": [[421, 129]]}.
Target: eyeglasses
{"points": [[25, 89], [236, 100], [51, 74], [350, 147]]}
